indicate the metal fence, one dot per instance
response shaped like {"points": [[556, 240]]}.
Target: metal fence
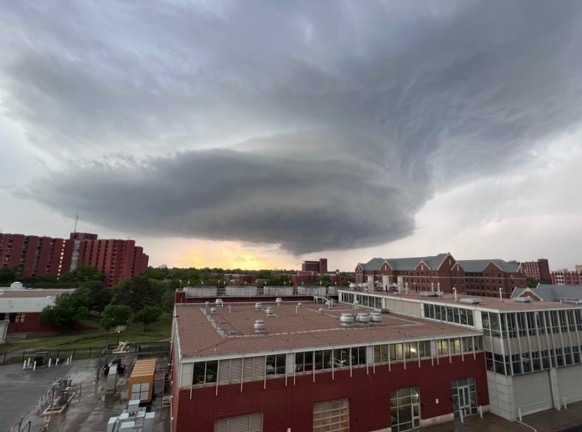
{"points": [[142, 350], [253, 291]]}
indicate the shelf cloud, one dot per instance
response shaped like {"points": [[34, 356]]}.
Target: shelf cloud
{"points": [[312, 125]]}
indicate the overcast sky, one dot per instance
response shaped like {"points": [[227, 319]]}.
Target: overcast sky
{"points": [[259, 134]]}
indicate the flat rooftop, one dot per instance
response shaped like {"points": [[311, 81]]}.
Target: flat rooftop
{"points": [[491, 303], [225, 332], [33, 292]]}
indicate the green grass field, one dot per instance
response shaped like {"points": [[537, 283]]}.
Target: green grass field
{"points": [[96, 338]]}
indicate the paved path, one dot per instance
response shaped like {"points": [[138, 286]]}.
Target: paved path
{"points": [[21, 390]]}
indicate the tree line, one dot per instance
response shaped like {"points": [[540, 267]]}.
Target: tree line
{"points": [[140, 299], [136, 299]]}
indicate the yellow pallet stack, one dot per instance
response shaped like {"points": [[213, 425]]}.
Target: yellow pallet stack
{"points": [[141, 381]]}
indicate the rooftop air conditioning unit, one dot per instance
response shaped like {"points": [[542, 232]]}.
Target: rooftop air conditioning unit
{"points": [[471, 300], [526, 299]]}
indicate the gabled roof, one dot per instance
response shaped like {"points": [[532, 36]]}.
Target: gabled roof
{"points": [[553, 293], [405, 264], [478, 266], [434, 262], [374, 264], [526, 292]]}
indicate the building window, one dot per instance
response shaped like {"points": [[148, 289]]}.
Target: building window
{"points": [[276, 364], [205, 372], [248, 423], [331, 416], [405, 404]]}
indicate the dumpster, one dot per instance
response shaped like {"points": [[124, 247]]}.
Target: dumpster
{"points": [[141, 381]]}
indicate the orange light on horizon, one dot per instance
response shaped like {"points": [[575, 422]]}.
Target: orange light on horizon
{"points": [[231, 257]]}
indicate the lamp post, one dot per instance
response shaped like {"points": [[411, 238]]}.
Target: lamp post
{"points": [[118, 331]]}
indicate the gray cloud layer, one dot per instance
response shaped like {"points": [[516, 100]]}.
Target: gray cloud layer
{"points": [[316, 125]]}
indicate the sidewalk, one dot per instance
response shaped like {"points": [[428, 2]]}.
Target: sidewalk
{"points": [[489, 423], [547, 421]]}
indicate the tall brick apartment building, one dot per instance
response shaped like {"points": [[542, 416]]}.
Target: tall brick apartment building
{"points": [[34, 256], [538, 270], [443, 272], [566, 277]]}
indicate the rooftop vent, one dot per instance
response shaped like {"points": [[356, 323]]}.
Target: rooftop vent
{"points": [[258, 306], [376, 317], [526, 299], [363, 318], [270, 312], [471, 300], [346, 319], [259, 326]]}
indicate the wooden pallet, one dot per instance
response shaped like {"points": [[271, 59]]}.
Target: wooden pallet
{"points": [[58, 410]]}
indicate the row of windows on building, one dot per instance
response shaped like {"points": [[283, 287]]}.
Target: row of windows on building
{"points": [[526, 362], [255, 368], [12, 317], [514, 324], [405, 406], [450, 314], [363, 300]]}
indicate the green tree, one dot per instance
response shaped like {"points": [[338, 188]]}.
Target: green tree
{"points": [[83, 273], [148, 315], [168, 298], [102, 299], [324, 281], [115, 315], [137, 292], [7, 275], [68, 308], [160, 273]]}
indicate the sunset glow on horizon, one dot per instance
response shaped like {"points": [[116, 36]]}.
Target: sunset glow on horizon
{"points": [[230, 255]]}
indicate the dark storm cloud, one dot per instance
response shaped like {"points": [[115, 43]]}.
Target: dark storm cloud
{"points": [[305, 202], [364, 108]]}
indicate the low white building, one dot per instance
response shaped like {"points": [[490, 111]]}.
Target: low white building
{"points": [[20, 308]]}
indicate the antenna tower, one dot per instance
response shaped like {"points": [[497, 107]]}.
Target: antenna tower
{"points": [[76, 221]]}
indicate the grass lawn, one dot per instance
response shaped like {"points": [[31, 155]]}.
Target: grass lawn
{"points": [[96, 338]]}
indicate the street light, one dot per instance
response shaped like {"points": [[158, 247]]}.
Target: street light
{"points": [[118, 331]]}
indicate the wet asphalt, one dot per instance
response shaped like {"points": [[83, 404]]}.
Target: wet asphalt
{"points": [[22, 389], [89, 410]]}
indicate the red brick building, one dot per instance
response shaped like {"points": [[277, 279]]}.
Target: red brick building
{"points": [[307, 371], [566, 277], [315, 266], [443, 272], [20, 309], [538, 270], [32, 256]]}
